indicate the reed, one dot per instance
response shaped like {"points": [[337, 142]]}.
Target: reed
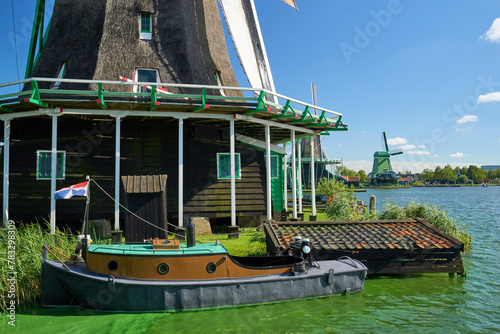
{"points": [[27, 259]]}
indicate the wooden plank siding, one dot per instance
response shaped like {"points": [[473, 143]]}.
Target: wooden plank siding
{"points": [[149, 146]]}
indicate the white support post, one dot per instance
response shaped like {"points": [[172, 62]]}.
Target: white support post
{"points": [[233, 172], [285, 179], [313, 177], [294, 177], [299, 146], [117, 172], [53, 176], [6, 163], [181, 173], [268, 172]]}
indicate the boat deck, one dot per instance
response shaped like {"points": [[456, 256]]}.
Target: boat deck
{"points": [[147, 249]]}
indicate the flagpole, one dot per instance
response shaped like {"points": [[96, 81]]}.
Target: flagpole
{"points": [[86, 222]]}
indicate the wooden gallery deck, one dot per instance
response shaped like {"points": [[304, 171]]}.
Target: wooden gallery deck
{"points": [[386, 247]]}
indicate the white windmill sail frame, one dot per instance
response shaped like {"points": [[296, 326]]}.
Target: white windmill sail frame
{"points": [[247, 44]]}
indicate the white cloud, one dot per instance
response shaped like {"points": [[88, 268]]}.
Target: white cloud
{"points": [[364, 131], [498, 140], [457, 155], [465, 129], [467, 119], [493, 34], [419, 152], [490, 97], [396, 141], [408, 147]]}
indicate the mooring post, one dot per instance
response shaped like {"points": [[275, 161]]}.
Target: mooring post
{"points": [[373, 204]]}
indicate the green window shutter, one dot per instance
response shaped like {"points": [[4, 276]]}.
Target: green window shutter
{"points": [[274, 167], [224, 165], [44, 165]]}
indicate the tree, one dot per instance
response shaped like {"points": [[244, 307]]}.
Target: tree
{"points": [[463, 179], [492, 174], [448, 175], [362, 176], [344, 171], [427, 175]]}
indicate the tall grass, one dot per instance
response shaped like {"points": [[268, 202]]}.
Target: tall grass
{"points": [[433, 215], [29, 241]]}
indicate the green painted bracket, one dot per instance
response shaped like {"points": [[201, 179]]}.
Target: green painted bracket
{"points": [[324, 133], [204, 104], [322, 120], [285, 114], [154, 101], [304, 118], [2, 108], [35, 95], [339, 122], [261, 105], [100, 96]]}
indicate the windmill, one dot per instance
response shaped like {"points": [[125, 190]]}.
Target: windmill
{"points": [[382, 172], [148, 41]]}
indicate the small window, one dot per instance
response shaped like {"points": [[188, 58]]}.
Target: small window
{"points": [[44, 165], [274, 166], [224, 165], [146, 26], [145, 75], [61, 74]]}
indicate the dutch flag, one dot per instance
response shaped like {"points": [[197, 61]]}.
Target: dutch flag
{"points": [[80, 189]]}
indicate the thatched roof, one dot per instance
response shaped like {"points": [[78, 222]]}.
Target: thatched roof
{"points": [[100, 39]]}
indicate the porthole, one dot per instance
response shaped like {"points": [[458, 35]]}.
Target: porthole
{"points": [[112, 265], [211, 268], [163, 268]]}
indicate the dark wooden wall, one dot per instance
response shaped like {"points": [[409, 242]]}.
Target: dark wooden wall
{"points": [[148, 146]]}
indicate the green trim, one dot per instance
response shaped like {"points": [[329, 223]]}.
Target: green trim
{"points": [[284, 113], [145, 249], [204, 104], [154, 100], [100, 96], [261, 105], [44, 165], [2, 108], [35, 95], [35, 31], [304, 118]]}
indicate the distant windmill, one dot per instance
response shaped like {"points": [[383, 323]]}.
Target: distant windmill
{"points": [[382, 169]]}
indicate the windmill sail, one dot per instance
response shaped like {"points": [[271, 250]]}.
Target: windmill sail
{"points": [[243, 25], [291, 3]]}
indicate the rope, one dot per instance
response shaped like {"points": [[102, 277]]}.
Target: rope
{"points": [[54, 255], [162, 229]]}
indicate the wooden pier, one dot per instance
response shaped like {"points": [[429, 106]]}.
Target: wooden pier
{"points": [[386, 247]]}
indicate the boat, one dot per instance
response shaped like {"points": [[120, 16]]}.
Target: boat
{"points": [[164, 275]]}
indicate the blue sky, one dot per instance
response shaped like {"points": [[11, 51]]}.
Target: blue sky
{"points": [[413, 69]]}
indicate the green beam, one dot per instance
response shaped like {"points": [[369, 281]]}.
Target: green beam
{"points": [[284, 113], [204, 104], [37, 21], [35, 95], [100, 96], [261, 105], [2, 108], [154, 101], [306, 117]]}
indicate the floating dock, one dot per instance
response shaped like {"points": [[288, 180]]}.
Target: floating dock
{"points": [[386, 247]]}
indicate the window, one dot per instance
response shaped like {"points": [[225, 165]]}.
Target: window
{"points": [[44, 165], [146, 26], [274, 166], [224, 165], [145, 75], [60, 75]]}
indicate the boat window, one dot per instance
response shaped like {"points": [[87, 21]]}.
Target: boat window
{"points": [[112, 265], [224, 165], [163, 268], [211, 267], [44, 165]]}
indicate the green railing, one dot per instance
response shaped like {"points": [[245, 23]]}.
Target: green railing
{"points": [[292, 110]]}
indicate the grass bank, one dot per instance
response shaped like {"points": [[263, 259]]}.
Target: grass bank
{"points": [[23, 257]]}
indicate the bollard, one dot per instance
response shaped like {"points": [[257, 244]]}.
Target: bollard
{"points": [[373, 204], [190, 233]]}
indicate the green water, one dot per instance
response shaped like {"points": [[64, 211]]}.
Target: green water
{"points": [[410, 304]]}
